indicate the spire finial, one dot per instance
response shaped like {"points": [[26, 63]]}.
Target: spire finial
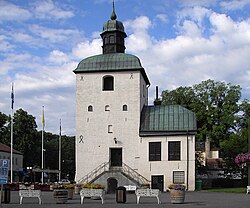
{"points": [[113, 15]]}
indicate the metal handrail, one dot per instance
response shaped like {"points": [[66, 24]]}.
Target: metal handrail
{"points": [[94, 173], [134, 175], [131, 173]]}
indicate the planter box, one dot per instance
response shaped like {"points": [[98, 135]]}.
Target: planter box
{"points": [[60, 195], [177, 196], [70, 193]]}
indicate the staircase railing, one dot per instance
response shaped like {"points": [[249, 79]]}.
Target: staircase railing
{"points": [[105, 167], [134, 175], [94, 173]]}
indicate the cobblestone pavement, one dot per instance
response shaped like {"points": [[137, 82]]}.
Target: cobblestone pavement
{"points": [[193, 199]]}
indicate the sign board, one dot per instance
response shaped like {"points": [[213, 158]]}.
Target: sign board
{"points": [[4, 170]]}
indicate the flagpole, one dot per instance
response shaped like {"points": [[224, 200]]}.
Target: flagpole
{"points": [[59, 152], [11, 135], [42, 141]]}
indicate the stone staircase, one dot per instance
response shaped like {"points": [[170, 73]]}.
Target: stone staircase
{"points": [[105, 168]]}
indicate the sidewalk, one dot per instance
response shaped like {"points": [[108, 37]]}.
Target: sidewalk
{"points": [[201, 199]]}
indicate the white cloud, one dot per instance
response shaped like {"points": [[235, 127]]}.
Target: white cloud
{"points": [[191, 58], [139, 40], [23, 38], [162, 17], [12, 12], [54, 35], [48, 9], [87, 48], [196, 13], [235, 4], [193, 3], [58, 57], [4, 44]]}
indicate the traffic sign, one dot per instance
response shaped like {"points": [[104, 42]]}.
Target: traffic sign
{"points": [[4, 170]]}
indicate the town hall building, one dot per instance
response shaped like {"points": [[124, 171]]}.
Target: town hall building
{"points": [[120, 139]]}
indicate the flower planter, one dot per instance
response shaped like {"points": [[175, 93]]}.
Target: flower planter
{"points": [[70, 193], [60, 195], [77, 189], [177, 196]]}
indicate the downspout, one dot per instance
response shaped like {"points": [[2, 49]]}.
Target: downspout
{"points": [[187, 160]]}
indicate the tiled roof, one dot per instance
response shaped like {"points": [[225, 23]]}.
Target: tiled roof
{"points": [[6, 148], [167, 120]]}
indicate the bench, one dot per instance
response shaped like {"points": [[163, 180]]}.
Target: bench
{"points": [[147, 193], [248, 189], [30, 194], [85, 192], [130, 188]]}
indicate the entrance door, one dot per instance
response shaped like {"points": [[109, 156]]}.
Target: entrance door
{"points": [[112, 185], [116, 157], [157, 182]]}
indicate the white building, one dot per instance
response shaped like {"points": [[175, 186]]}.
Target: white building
{"points": [[17, 160], [120, 140]]}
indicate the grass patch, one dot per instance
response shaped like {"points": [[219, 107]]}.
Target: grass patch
{"points": [[229, 190]]}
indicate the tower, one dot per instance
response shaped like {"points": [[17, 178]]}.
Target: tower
{"points": [[111, 90]]}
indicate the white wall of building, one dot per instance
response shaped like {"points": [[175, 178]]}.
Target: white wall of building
{"points": [[93, 126]]}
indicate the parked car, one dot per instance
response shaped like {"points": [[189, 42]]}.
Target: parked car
{"points": [[64, 181]]}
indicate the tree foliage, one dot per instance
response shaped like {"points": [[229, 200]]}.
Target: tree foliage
{"points": [[215, 104], [27, 140], [221, 116]]}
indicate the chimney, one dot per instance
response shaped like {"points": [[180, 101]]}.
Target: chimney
{"points": [[157, 99]]}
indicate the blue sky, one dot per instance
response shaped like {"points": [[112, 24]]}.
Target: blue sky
{"points": [[179, 42]]}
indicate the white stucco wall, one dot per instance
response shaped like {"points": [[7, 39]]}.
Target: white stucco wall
{"points": [[93, 126], [93, 142], [165, 167]]}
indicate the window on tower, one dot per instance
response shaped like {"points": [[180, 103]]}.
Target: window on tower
{"points": [[107, 108], [125, 108], [90, 108], [112, 39], [108, 83]]}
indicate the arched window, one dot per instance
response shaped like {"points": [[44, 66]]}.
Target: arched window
{"points": [[90, 108], [108, 83], [125, 108], [107, 108]]}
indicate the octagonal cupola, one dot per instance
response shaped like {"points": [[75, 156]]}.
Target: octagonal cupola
{"points": [[113, 35]]}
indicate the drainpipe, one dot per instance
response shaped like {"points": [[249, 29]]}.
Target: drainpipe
{"points": [[187, 160]]}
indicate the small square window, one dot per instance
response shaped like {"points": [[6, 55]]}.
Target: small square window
{"points": [[110, 129], [107, 108]]}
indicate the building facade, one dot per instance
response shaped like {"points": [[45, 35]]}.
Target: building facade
{"points": [[17, 160], [120, 140]]}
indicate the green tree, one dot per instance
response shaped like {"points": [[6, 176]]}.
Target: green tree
{"points": [[215, 104], [4, 132], [24, 133]]}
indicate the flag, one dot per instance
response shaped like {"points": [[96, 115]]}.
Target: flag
{"points": [[43, 120], [12, 97]]}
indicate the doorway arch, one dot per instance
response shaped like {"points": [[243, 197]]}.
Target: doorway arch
{"points": [[112, 185]]}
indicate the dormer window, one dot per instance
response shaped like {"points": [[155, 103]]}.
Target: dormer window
{"points": [[108, 83]]}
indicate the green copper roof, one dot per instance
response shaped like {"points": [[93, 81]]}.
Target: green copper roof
{"points": [[111, 62], [167, 120]]}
